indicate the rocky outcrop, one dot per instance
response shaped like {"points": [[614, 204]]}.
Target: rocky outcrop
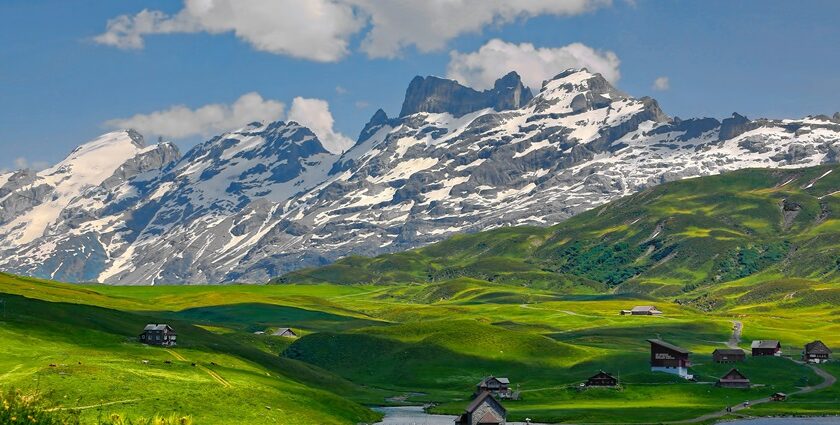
{"points": [[438, 95]]}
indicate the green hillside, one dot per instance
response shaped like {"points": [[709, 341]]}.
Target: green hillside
{"points": [[539, 306], [678, 240]]}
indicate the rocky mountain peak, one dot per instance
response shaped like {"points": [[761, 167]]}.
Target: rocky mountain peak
{"points": [[438, 95]]}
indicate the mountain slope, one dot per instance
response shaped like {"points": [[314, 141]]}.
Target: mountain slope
{"points": [[266, 199], [682, 237]]}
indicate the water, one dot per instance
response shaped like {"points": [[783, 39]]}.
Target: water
{"points": [[411, 415], [788, 421], [414, 415]]}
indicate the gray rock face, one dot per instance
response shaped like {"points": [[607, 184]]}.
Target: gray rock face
{"points": [[266, 199], [438, 95]]}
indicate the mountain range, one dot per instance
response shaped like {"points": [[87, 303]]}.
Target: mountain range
{"points": [[268, 198]]}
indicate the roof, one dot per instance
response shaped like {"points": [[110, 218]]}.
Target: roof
{"points": [[669, 346], [644, 308], [817, 347], [601, 374], [480, 399], [281, 331], [156, 327], [489, 418], [728, 351], [501, 380], [766, 343], [734, 375]]}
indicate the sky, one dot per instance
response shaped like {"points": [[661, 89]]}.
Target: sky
{"points": [[188, 70]]}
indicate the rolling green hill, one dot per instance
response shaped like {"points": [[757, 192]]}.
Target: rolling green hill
{"points": [[680, 240], [537, 305]]}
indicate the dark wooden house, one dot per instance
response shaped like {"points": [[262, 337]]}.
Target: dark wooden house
{"points": [[816, 352], [499, 387], [668, 358], [733, 379], [766, 347], [729, 355], [285, 332], [484, 410], [778, 397], [602, 379], [158, 334]]}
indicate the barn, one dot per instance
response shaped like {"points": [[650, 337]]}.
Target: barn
{"points": [[602, 379], [733, 379], [484, 410], [285, 332], [729, 355], [766, 347], [158, 334], [816, 352], [668, 358], [642, 310]]}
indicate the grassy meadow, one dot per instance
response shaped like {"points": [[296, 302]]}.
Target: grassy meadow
{"points": [[537, 305]]}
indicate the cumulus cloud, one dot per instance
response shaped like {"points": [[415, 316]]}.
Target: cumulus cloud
{"points": [[428, 25], [661, 84], [313, 29], [321, 30], [481, 68], [315, 114], [179, 121], [23, 163]]}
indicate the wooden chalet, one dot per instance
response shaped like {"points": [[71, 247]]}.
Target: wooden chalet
{"points": [[483, 410], [498, 387], [642, 310], [602, 379], [778, 397], [733, 379], [668, 358], [816, 352], [766, 347], [285, 333], [158, 334], [729, 355]]}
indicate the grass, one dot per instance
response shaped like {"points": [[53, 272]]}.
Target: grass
{"points": [[537, 305]]}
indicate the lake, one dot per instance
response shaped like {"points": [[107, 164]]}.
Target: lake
{"points": [[414, 415]]}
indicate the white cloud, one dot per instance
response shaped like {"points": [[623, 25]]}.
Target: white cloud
{"points": [[480, 69], [23, 163], [315, 114], [361, 104], [179, 121], [340, 90], [661, 84], [429, 24], [321, 30], [313, 29]]}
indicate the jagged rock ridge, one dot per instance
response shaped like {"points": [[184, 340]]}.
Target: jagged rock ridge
{"points": [[266, 199]]}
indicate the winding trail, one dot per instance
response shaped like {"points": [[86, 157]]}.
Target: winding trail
{"points": [[735, 339], [91, 406], [213, 374]]}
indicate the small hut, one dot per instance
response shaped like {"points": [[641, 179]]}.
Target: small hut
{"points": [[766, 347], [484, 410], [778, 397], [602, 379], [729, 355], [499, 387], [733, 379], [816, 352], [285, 333], [642, 310], [158, 334]]}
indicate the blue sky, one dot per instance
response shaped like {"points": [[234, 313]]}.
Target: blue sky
{"points": [[60, 87]]}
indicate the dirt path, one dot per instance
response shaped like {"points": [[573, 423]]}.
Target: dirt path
{"points": [[94, 405], [735, 339], [213, 374]]}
